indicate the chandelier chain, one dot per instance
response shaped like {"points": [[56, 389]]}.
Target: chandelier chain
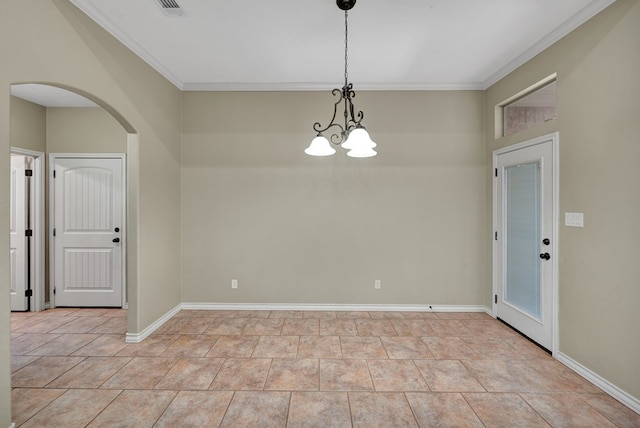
{"points": [[346, 45]]}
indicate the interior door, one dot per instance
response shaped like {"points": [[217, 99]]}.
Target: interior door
{"points": [[18, 248], [524, 238], [88, 228]]}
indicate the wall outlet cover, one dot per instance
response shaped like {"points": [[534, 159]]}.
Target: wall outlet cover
{"points": [[574, 219]]}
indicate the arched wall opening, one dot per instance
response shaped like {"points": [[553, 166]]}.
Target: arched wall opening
{"points": [[129, 144]]}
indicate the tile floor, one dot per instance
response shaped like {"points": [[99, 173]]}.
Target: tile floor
{"points": [[72, 368]]}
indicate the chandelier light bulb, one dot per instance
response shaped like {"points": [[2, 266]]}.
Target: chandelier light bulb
{"points": [[320, 147], [358, 139], [362, 152]]}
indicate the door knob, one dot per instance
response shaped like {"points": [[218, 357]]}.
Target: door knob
{"points": [[545, 256], [118, 240], [546, 241], [117, 229]]}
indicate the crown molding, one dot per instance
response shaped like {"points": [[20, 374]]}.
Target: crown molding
{"points": [[112, 28], [294, 86], [568, 26]]}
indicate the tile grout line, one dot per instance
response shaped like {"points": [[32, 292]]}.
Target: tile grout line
{"points": [[448, 327], [464, 397]]}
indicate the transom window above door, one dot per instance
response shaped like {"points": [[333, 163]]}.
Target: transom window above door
{"points": [[533, 106]]}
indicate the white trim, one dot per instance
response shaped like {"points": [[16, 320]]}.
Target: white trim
{"points": [[555, 306], [139, 337], [38, 228], [328, 86], [123, 227], [622, 396], [555, 144], [527, 91], [26, 152], [88, 155], [332, 307], [13, 425], [52, 240], [112, 28]]}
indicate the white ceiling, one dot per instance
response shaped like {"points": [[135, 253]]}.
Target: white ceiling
{"points": [[299, 44], [50, 96]]}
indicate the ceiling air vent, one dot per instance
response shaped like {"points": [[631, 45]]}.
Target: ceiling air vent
{"points": [[170, 7]]}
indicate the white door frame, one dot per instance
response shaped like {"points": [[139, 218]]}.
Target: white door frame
{"points": [[555, 139], [37, 277], [123, 236]]}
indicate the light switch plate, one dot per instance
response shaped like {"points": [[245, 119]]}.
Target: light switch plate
{"points": [[574, 219]]}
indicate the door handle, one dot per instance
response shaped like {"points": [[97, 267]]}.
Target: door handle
{"points": [[545, 256], [545, 241], [118, 240]]}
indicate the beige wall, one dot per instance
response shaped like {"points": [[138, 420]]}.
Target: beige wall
{"points": [[28, 125], [292, 228], [599, 124], [52, 42], [297, 229], [84, 130]]}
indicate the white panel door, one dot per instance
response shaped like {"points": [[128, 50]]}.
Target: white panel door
{"points": [[525, 228], [88, 199], [18, 239]]}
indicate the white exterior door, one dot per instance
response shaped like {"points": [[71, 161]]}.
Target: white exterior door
{"points": [[525, 240], [18, 216], [88, 226]]}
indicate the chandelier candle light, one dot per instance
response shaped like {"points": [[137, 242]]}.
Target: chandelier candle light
{"points": [[352, 136]]}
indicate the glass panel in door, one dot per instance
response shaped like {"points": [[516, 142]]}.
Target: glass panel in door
{"points": [[522, 206]]}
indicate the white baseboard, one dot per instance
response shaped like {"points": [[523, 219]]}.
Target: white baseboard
{"points": [[332, 307], [13, 425], [139, 337], [617, 393]]}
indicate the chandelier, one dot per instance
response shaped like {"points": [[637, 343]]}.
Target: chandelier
{"points": [[351, 135]]}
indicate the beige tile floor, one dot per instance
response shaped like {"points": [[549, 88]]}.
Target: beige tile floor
{"points": [[72, 368]]}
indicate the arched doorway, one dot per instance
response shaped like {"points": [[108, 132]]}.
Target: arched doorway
{"points": [[63, 100]]}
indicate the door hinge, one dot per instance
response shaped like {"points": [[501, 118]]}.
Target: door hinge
{"points": [[496, 236], [54, 173], [54, 231], [496, 172], [28, 293], [54, 291], [28, 172], [495, 298], [28, 233]]}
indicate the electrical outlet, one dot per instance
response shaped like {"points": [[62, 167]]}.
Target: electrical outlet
{"points": [[234, 283], [376, 284]]}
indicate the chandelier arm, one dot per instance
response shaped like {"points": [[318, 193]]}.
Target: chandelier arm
{"points": [[354, 118], [337, 137], [347, 102]]}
